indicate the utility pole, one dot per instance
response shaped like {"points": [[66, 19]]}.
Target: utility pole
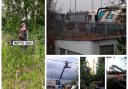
{"points": [[70, 5], [101, 3], [51, 75], [75, 6], [93, 66], [92, 5]]}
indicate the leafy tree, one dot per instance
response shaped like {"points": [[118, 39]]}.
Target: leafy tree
{"points": [[114, 84], [17, 11], [85, 72], [100, 72], [51, 26], [121, 45], [121, 20]]}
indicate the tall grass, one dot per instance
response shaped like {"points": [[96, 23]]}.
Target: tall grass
{"points": [[22, 68]]}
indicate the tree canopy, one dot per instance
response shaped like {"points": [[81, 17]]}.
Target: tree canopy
{"points": [[14, 12]]}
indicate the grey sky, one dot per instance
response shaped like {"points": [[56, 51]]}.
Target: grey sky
{"points": [[54, 68], [119, 61], [82, 5]]}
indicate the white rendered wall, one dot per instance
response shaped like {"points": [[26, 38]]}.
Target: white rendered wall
{"points": [[83, 47]]}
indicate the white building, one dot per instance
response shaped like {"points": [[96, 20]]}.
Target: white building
{"points": [[105, 46], [53, 84], [90, 38]]}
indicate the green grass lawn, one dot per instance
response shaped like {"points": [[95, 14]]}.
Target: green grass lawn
{"points": [[22, 68]]}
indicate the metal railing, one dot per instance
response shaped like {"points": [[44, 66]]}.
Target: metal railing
{"points": [[93, 31]]}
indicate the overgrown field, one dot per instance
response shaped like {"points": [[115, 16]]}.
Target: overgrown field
{"points": [[22, 68]]}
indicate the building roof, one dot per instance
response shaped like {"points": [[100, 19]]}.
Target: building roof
{"points": [[116, 72], [89, 37]]}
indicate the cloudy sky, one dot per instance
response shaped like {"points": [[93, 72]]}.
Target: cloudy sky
{"points": [[119, 61], [54, 68], [91, 60], [82, 5]]}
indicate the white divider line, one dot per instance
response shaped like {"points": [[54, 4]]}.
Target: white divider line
{"points": [[106, 72]]}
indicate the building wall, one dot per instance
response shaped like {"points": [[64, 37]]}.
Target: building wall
{"points": [[77, 18], [51, 82], [83, 47], [117, 76]]}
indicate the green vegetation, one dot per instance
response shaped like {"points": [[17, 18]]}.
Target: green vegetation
{"points": [[100, 72], [121, 19], [114, 84], [89, 80], [116, 75], [23, 67]]}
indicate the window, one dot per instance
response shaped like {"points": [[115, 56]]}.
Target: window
{"points": [[107, 49], [70, 26], [82, 26], [68, 52], [72, 53], [62, 51], [109, 16], [89, 17]]}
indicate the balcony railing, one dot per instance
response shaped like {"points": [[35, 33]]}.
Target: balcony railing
{"points": [[94, 31]]}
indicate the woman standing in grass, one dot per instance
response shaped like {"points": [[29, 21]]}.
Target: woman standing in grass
{"points": [[23, 32]]}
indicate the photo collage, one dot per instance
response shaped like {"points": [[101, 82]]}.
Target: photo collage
{"points": [[63, 44]]}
